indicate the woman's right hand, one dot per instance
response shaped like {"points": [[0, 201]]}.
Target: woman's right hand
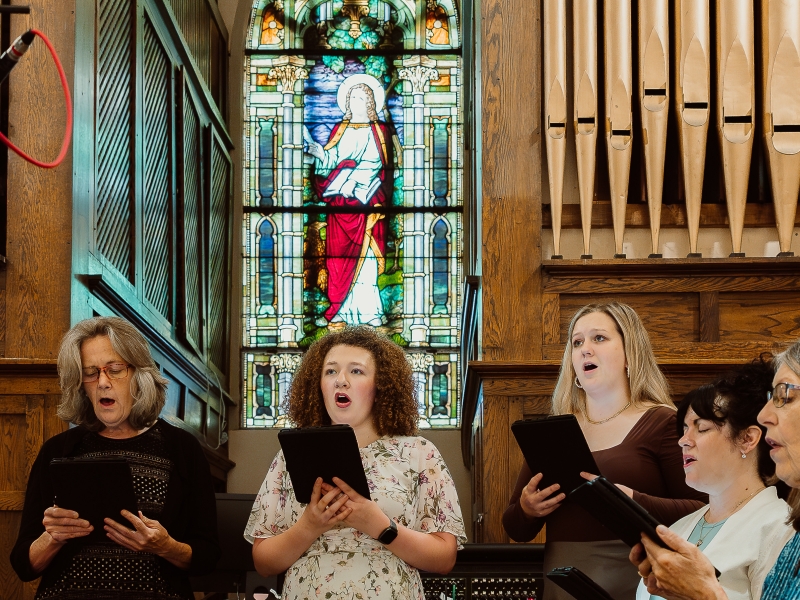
{"points": [[63, 524], [320, 514], [540, 503]]}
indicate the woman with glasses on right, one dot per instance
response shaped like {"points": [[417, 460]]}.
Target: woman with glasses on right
{"points": [[682, 571]]}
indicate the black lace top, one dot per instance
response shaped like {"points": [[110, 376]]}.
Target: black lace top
{"points": [[164, 463]]}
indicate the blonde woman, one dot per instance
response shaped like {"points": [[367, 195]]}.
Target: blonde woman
{"points": [[610, 381]]}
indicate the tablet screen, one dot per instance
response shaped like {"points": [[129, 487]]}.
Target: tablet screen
{"points": [[95, 488], [555, 447], [326, 452]]}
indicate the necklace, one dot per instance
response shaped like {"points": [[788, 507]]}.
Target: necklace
{"points": [[616, 414], [703, 533], [713, 527]]}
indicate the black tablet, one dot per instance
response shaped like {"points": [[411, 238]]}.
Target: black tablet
{"points": [[577, 584], [613, 508], [326, 452], [556, 448], [95, 488]]}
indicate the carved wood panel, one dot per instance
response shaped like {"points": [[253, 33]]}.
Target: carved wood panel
{"points": [[26, 421]]}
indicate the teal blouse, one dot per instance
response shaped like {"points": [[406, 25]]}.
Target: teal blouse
{"points": [[783, 581]]}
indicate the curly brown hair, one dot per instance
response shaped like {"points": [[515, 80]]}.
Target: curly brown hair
{"points": [[395, 408]]}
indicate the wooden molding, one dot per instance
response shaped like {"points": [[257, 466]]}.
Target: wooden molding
{"points": [[480, 371], [672, 267], [637, 216], [28, 367]]}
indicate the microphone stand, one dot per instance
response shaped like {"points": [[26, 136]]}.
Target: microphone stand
{"points": [[5, 42]]}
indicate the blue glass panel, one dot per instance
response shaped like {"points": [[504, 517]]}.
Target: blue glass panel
{"points": [[266, 267], [441, 256], [266, 161]]}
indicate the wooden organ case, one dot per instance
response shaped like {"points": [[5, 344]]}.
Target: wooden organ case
{"points": [[687, 210]]}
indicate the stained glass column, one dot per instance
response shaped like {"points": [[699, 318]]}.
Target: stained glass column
{"points": [[417, 70], [290, 305]]}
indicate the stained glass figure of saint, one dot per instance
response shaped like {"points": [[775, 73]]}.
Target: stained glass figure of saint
{"points": [[354, 169]]}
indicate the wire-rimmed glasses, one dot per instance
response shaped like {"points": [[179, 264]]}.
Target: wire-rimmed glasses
{"points": [[783, 393]]}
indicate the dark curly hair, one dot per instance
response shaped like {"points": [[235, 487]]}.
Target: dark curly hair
{"points": [[395, 408], [736, 398]]}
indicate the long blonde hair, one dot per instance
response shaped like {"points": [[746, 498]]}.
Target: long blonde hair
{"points": [[648, 385]]}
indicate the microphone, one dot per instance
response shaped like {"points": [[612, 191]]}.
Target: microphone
{"points": [[10, 57]]}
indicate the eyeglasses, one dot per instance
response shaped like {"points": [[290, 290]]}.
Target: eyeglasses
{"points": [[112, 371], [782, 393]]}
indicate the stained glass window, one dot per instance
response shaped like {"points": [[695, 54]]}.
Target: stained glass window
{"points": [[352, 195]]}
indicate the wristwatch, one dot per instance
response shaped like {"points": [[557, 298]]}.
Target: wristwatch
{"points": [[387, 535]]}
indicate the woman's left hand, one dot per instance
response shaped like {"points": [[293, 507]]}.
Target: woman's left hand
{"points": [[366, 516], [148, 536], [628, 491], [680, 572]]}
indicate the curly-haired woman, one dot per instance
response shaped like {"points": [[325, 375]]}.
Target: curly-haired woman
{"points": [[341, 544]]}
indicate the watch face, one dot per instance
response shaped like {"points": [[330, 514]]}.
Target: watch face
{"points": [[389, 534]]}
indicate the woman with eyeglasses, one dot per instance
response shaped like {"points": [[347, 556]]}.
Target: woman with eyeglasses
{"points": [[682, 571], [113, 392]]}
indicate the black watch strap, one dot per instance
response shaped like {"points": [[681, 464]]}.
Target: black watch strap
{"points": [[388, 535]]}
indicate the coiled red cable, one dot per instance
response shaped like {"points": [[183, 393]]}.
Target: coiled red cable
{"points": [[67, 102]]}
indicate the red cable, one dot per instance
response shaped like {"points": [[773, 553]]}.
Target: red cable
{"points": [[67, 102]]}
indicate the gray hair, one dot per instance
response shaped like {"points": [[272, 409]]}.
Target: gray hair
{"points": [[647, 383], [789, 358], [148, 386]]}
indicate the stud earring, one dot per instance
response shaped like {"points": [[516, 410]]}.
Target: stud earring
{"points": [[578, 383]]}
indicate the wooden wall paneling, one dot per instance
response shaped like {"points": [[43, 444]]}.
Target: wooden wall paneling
{"points": [[721, 283], [763, 317], [512, 179], [39, 200], [515, 459], [709, 316], [497, 441], [2, 310], [551, 322], [696, 351], [666, 316]]}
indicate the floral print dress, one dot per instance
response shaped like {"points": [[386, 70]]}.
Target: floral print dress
{"points": [[410, 483]]}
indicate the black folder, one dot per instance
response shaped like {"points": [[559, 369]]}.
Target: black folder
{"points": [[95, 488], [577, 584], [555, 447], [326, 452], [615, 510]]}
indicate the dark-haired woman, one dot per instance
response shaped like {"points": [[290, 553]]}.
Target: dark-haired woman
{"points": [[725, 454], [342, 545]]}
